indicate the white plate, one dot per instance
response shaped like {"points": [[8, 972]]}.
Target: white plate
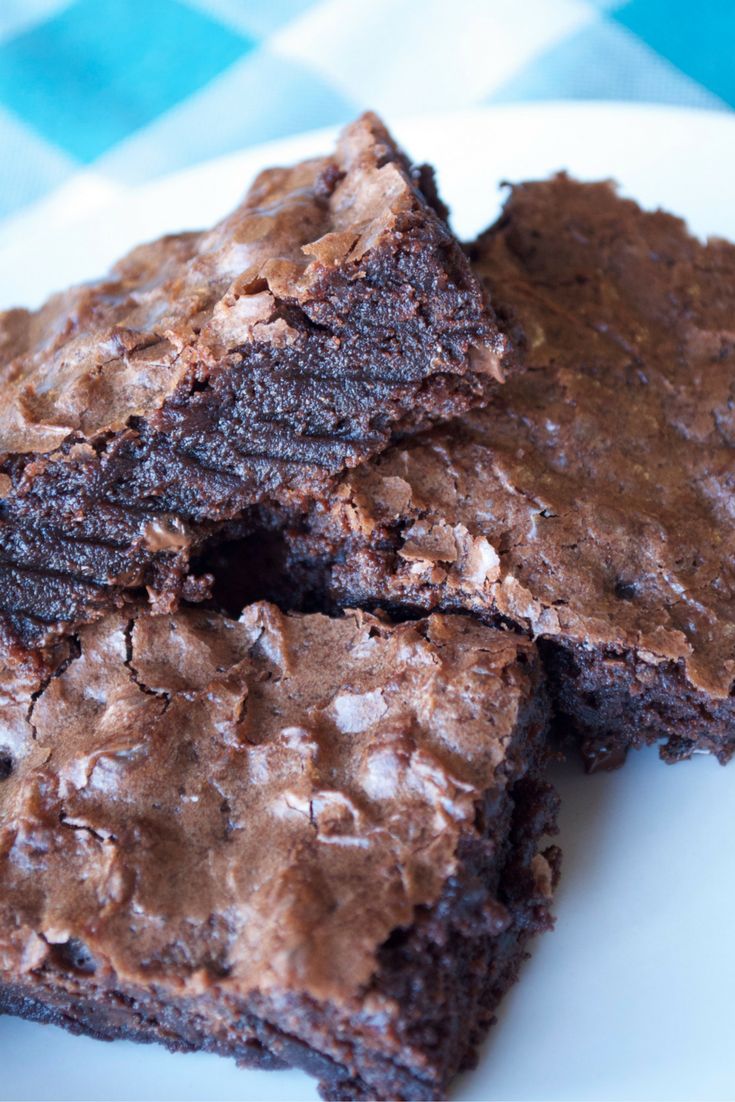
{"points": [[631, 997]]}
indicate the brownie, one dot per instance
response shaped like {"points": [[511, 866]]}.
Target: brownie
{"points": [[592, 505], [215, 371], [290, 839]]}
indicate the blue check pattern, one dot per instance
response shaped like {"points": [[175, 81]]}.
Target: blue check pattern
{"points": [[132, 89]]}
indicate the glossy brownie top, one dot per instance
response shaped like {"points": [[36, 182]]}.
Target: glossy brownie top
{"points": [[252, 804], [99, 354], [594, 499]]}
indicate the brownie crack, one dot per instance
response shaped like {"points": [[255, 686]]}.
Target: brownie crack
{"points": [[159, 694], [75, 648]]}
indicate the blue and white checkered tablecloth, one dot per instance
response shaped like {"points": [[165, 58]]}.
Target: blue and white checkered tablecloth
{"points": [[132, 89]]}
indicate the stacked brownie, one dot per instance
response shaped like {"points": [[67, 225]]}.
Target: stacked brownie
{"points": [[306, 840], [215, 372], [590, 504], [315, 832]]}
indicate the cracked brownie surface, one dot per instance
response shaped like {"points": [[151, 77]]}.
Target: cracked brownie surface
{"points": [[215, 371], [592, 504], [292, 839]]}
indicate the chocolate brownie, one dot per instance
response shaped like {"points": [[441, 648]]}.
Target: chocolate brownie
{"points": [[290, 839], [592, 505], [214, 371]]}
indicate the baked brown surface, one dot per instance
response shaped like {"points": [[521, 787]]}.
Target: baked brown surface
{"points": [[290, 839], [215, 371], [592, 505]]}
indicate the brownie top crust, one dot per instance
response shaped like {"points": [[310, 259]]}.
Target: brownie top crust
{"points": [[203, 803], [104, 352], [594, 500]]}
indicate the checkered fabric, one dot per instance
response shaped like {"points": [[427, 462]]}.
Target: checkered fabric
{"points": [[130, 89]]}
